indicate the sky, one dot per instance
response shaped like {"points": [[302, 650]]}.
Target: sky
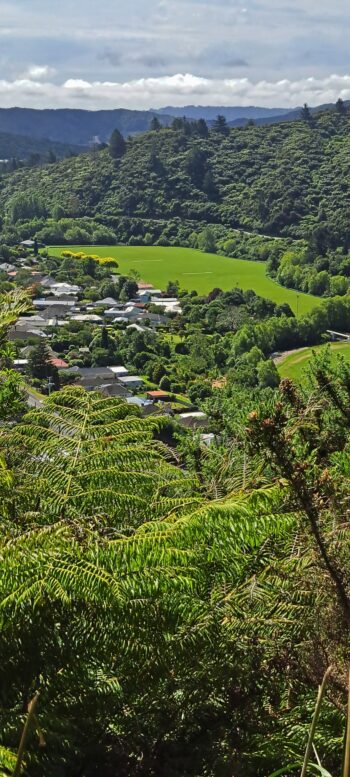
{"points": [[153, 53]]}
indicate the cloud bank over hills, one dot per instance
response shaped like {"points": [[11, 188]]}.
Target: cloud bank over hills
{"points": [[36, 88]]}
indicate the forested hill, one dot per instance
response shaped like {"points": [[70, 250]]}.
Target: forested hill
{"points": [[76, 126], [286, 179], [24, 147]]}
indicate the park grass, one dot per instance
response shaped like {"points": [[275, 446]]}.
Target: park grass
{"points": [[294, 365], [197, 270]]}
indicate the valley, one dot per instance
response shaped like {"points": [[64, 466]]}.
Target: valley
{"points": [[198, 270]]}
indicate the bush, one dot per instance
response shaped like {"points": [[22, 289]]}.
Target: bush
{"points": [[165, 384], [77, 236], [103, 236]]}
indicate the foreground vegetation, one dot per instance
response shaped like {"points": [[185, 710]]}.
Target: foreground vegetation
{"points": [[168, 607], [171, 608]]}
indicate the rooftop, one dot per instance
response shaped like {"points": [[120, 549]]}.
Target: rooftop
{"points": [[59, 363], [158, 394], [144, 286], [130, 379], [139, 401], [118, 370]]}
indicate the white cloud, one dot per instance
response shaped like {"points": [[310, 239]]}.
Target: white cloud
{"points": [[39, 72], [178, 89]]}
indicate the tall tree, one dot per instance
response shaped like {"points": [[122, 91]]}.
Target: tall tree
{"points": [[40, 363], [202, 128], [220, 125], [340, 106], [305, 113], [117, 145], [155, 124]]}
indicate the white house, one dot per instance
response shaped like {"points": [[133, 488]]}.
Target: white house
{"points": [[118, 371], [63, 288], [92, 318], [137, 328], [130, 312], [108, 302], [131, 381], [170, 304]]}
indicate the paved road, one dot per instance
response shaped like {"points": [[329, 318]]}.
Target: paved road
{"points": [[33, 400]]}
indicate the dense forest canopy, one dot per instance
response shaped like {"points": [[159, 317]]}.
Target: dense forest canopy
{"points": [[278, 193], [284, 180]]}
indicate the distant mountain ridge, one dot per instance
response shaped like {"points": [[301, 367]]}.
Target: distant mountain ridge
{"points": [[26, 131], [231, 113], [238, 116], [70, 125]]}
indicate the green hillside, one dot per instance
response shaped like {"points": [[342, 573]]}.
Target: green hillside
{"points": [[279, 179], [294, 364], [23, 147], [200, 271], [277, 193]]}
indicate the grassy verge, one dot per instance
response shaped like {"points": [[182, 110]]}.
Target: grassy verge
{"points": [[293, 365]]}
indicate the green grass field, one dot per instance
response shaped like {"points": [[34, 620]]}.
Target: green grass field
{"points": [[196, 270], [294, 365]]}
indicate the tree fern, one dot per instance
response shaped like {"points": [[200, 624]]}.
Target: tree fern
{"points": [[85, 455], [12, 305]]}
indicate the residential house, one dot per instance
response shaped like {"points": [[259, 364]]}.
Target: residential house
{"points": [[114, 312], [92, 377], [118, 371], [28, 322], [24, 334], [60, 364], [62, 289], [53, 307], [156, 319], [132, 312], [120, 320], [144, 286], [193, 420], [158, 396], [144, 296], [31, 244], [170, 304], [137, 327], [108, 302], [6, 267], [146, 406], [156, 293], [131, 381], [91, 318], [47, 282], [113, 390], [20, 364]]}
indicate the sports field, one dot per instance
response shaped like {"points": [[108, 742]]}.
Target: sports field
{"points": [[196, 270], [294, 365]]}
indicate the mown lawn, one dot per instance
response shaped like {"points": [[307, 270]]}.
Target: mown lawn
{"points": [[196, 270], [294, 365]]}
